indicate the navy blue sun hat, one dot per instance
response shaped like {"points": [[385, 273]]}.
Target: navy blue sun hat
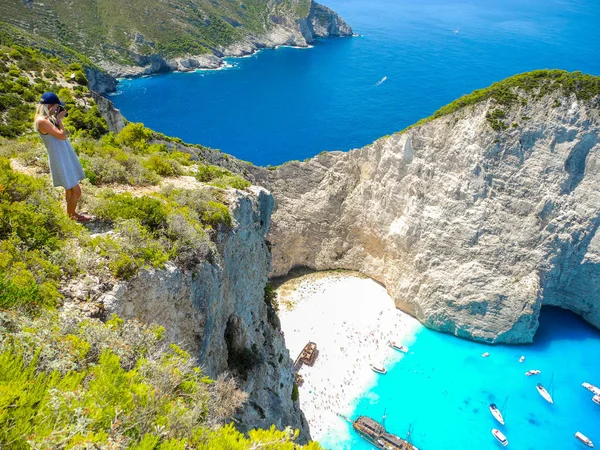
{"points": [[50, 98]]}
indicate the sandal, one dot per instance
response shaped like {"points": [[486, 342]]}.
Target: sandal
{"points": [[81, 218]]}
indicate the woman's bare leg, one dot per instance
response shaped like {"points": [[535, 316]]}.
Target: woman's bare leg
{"points": [[72, 196]]}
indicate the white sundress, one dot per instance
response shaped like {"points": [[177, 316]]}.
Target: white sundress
{"points": [[65, 167]]}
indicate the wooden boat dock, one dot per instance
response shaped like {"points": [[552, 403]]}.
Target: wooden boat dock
{"points": [[307, 356]]}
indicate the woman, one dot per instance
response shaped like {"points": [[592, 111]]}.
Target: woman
{"points": [[65, 167]]}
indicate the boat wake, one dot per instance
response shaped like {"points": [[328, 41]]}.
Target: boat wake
{"points": [[380, 82]]}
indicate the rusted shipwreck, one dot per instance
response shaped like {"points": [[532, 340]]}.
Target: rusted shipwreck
{"points": [[307, 356]]}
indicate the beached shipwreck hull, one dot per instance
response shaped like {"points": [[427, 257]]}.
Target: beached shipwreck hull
{"points": [[471, 226]]}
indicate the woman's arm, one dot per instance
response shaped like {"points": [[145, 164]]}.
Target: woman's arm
{"points": [[47, 127]]}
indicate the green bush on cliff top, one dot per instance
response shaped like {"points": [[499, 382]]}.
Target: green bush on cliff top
{"points": [[538, 83]]}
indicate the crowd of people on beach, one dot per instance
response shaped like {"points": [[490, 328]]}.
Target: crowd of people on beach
{"points": [[358, 319]]}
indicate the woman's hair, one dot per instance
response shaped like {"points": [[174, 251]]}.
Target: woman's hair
{"points": [[42, 112]]}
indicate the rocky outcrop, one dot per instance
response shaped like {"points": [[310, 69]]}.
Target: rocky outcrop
{"points": [[327, 23], [472, 221], [217, 311], [99, 81], [112, 115]]}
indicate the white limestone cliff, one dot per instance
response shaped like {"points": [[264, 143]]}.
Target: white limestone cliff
{"points": [[470, 229]]}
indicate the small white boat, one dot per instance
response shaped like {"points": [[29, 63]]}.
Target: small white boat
{"points": [[496, 413], [596, 399], [590, 387], [382, 370], [584, 439], [500, 437], [485, 355], [533, 372], [521, 359], [544, 393], [398, 347]]}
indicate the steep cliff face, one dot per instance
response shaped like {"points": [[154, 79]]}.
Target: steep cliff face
{"points": [[112, 115], [218, 312], [325, 22], [472, 221]]}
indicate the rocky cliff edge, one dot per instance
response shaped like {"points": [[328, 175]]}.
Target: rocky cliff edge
{"points": [[217, 311]]}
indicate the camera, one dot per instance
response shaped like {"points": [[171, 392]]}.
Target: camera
{"points": [[61, 109]]}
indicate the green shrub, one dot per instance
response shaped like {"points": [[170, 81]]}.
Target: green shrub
{"points": [[206, 173], [29, 212], [8, 101], [181, 157], [33, 233], [216, 214], [231, 181], [134, 135], [295, 393], [495, 117], [80, 77], [27, 296], [70, 382], [148, 211], [536, 83], [15, 54], [163, 166]]}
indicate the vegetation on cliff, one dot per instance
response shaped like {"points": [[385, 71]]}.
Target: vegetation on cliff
{"points": [[517, 89], [116, 31], [68, 381]]}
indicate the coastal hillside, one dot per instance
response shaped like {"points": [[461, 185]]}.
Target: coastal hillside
{"points": [[140, 37], [472, 219], [90, 315]]}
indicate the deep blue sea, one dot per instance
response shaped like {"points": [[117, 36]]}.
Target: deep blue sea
{"points": [[287, 104], [442, 390]]}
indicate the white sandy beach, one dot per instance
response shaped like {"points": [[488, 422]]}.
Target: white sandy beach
{"points": [[351, 319]]}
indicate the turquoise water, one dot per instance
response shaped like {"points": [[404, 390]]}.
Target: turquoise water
{"points": [[443, 388], [289, 104]]}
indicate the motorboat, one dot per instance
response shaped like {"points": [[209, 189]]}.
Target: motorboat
{"points": [[584, 439], [500, 437], [521, 359], [590, 387], [485, 355], [533, 372], [596, 399], [544, 393], [496, 413], [382, 370], [398, 347]]}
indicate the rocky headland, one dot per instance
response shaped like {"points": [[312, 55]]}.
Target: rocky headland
{"points": [[321, 22], [126, 40], [472, 221]]}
